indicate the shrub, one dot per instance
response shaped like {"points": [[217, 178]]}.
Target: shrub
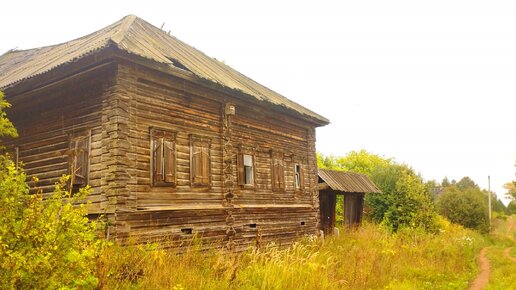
{"points": [[44, 243], [467, 208]]}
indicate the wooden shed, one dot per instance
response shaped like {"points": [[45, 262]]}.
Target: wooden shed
{"points": [[172, 142], [353, 186]]}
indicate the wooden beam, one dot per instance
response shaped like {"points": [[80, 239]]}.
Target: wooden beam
{"points": [[323, 186]]}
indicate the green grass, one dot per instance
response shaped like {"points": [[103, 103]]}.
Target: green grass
{"points": [[368, 258], [502, 268]]}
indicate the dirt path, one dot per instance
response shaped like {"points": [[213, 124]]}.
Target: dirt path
{"points": [[507, 254], [482, 278]]}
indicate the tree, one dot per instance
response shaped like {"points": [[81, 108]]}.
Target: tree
{"points": [[445, 182], [511, 207], [466, 183], [44, 244], [465, 207], [511, 190], [6, 127]]}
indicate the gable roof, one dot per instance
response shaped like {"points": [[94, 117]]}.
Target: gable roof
{"points": [[346, 181], [138, 37]]}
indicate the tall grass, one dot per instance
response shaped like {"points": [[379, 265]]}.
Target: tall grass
{"points": [[367, 258]]}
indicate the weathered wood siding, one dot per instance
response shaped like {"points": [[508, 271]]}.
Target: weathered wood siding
{"points": [[169, 103], [120, 104], [48, 117]]}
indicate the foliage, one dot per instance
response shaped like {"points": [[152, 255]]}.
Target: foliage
{"points": [[511, 207], [511, 190], [6, 127], [405, 200], [44, 243], [467, 207], [367, 258]]}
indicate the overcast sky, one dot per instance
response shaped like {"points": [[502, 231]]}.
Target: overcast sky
{"points": [[430, 83]]}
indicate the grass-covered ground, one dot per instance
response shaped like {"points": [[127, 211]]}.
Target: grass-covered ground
{"points": [[368, 258], [502, 255]]}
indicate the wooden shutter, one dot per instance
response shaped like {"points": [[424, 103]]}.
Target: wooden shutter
{"points": [[278, 175], [81, 160], [205, 170], [240, 169], [158, 159], [196, 164], [200, 160], [281, 176], [169, 161]]}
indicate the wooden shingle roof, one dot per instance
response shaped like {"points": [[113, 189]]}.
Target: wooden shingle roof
{"points": [[348, 181], [138, 37]]}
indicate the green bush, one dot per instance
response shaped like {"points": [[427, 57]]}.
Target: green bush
{"points": [[44, 243], [467, 208]]}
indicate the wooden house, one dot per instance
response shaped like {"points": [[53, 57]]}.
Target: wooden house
{"points": [[172, 142]]}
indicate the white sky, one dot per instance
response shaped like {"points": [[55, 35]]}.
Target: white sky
{"points": [[431, 83]]}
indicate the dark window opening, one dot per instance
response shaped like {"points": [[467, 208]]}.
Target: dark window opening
{"points": [[298, 177], [187, 231], [253, 226], [245, 165]]}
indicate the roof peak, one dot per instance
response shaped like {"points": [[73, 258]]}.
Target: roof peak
{"points": [[138, 37]]}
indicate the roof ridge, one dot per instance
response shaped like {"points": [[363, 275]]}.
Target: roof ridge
{"points": [[125, 24]]}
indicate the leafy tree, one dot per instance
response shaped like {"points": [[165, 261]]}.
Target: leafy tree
{"points": [[6, 127], [466, 183], [511, 190], [465, 207], [445, 182], [511, 207], [44, 243]]}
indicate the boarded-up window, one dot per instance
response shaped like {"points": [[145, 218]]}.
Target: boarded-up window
{"points": [[245, 163], [79, 160], [299, 180], [163, 150], [278, 172], [200, 166]]}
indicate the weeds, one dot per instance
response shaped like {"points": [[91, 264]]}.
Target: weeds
{"points": [[368, 258]]}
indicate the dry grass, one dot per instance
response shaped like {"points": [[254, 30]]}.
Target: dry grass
{"points": [[368, 258]]}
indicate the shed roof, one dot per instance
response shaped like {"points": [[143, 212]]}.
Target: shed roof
{"points": [[348, 181], [138, 37]]}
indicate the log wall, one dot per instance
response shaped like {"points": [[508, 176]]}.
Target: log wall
{"points": [[120, 104], [252, 215], [47, 118]]}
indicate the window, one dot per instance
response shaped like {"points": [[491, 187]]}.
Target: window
{"points": [[79, 161], [278, 172], [163, 150], [298, 177], [245, 165], [200, 166]]}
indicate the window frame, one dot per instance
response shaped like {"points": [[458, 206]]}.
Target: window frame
{"points": [[299, 183], [242, 177], [168, 178], [79, 152], [204, 143], [278, 171]]}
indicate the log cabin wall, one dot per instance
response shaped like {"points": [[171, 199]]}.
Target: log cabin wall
{"points": [[186, 111], [49, 117]]}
